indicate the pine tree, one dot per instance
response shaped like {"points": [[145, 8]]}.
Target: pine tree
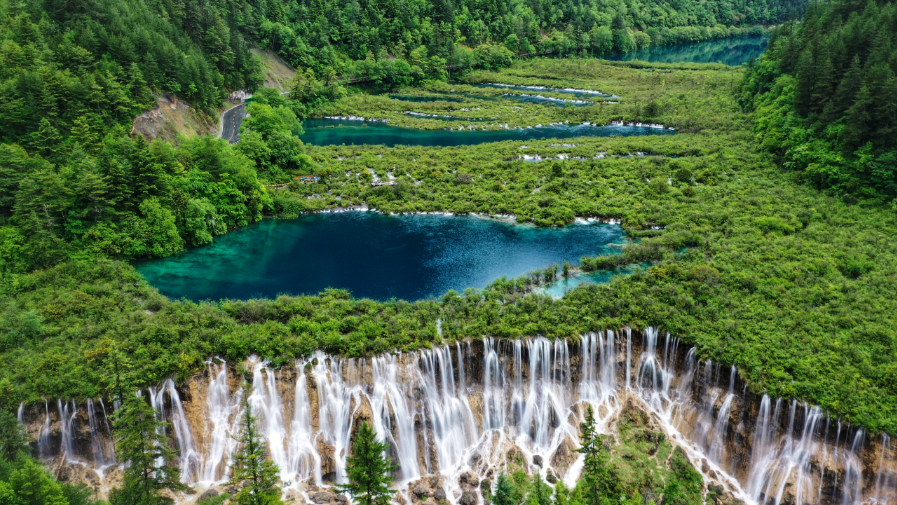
{"points": [[47, 140], [114, 365], [13, 438], [370, 471], [504, 491], [597, 483], [140, 442], [540, 494], [252, 472], [561, 494]]}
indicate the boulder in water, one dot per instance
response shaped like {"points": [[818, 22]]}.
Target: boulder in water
{"points": [[564, 456], [322, 497], [422, 488], [468, 498], [470, 478], [207, 494], [326, 452]]}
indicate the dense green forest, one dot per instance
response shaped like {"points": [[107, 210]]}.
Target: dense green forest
{"points": [[825, 96]]}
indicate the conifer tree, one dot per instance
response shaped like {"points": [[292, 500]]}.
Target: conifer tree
{"points": [[597, 483], [141, 444], [504, 491], [540, 493], [370, 471], [255, 475], [13, 438], [561, 494]]}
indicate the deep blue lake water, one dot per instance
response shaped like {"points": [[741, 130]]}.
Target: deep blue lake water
{"points": [[322, 132], [733, 51], [372, 255]]}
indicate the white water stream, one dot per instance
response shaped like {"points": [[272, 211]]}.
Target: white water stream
{"points": [[463, 407]]}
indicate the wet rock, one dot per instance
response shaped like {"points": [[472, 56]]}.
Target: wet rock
{"points": [[470, 478], [716, 495], [440, 494], [551, 478], [342, 500], [515, 456], [322, 497], [537, 460], [326, 451], [422, 489], [208, 494], [294, 497], [364, 414], [486, 485], [468, 498], [78, 474], [564, 456]]}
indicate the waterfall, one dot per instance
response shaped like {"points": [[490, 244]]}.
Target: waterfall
{"points": [[493, 388], [221, 420], [392, 413], [884, 478], [96, 437], [20, 414], [628, 356], [268, 409], [335, 410], [43, 437], [466, 406], [722, 421], [66, 420], [305, 462], [190, 459], [452, 425], [853, 472]]}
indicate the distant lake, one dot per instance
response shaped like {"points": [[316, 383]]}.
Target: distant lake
{"points": [[732, 51], [322, 132], [372, 255]]}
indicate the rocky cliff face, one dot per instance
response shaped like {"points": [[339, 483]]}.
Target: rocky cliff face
{"points": [[456, 415]]}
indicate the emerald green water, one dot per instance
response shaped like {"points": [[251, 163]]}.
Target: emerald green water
{"points": [[733, 51], [371, 255], [323, 132]]}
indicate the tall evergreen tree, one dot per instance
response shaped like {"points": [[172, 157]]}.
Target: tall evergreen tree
{"points": [[13, 438], [140, 443], [597, 484], [504, 491], [540, 493], [370, 471], [255, 475]]}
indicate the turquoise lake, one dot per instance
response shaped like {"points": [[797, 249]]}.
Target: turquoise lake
{"points": [[733, 51], [322, 132], [372, 255]]}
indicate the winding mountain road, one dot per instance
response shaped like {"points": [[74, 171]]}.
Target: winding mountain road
{"points": [[231, 120]]}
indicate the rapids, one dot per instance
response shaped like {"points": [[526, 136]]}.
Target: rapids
{"points": [[452, 415]]}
